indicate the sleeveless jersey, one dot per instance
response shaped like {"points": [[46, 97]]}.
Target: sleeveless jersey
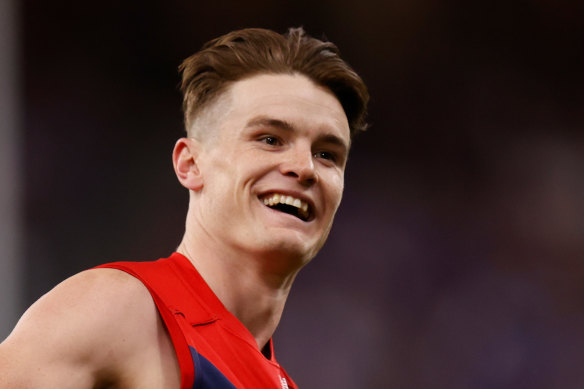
{"points": [[214, 349]]}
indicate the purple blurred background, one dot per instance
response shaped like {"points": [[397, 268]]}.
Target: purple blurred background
{"points": [[457, 258]]}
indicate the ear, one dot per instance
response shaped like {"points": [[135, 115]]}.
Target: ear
{"points": [[184, 158]]}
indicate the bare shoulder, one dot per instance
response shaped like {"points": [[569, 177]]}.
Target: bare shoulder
{"points": [[97, 326], [92, 306]]}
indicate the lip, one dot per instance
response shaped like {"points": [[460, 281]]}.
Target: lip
{"points": [[311, 206]]}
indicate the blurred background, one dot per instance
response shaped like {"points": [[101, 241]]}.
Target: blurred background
{"points": [[457, 258]]}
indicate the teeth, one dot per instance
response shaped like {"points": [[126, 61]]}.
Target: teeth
{"points": [[276, 198]]}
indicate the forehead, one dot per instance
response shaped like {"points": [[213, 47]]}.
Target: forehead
{"points": [[292, 98]]}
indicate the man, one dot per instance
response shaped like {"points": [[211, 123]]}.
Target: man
{"points": [[269, 121]]}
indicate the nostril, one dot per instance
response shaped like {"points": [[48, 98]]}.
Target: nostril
{"points": [[300, 169]]}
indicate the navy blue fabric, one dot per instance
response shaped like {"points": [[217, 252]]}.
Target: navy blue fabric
{"points": [[207, 376]]}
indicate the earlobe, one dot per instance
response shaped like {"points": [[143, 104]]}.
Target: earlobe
{"points": [[184, 159]]}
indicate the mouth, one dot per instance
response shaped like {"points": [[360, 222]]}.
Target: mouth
{"points": [[288, 204]]}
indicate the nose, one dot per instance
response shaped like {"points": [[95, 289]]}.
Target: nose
{"points": [[299, 164]]}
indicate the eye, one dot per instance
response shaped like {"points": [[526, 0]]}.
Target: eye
{"points": [[270, 140], [325, 155]]}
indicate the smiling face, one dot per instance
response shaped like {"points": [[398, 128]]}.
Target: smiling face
{"points": [[271, 167]]}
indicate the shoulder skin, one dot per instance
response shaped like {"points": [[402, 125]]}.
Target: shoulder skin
{"points": [[97, 329]]}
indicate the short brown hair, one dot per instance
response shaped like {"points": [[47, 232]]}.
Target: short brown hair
{"points": [[244, 53]]}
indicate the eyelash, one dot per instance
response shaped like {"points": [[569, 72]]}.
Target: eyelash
{"points": [[325, 155], [268, 138], [271, 140]]}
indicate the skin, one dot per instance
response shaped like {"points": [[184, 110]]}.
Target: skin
{"points": [[267, 133]]}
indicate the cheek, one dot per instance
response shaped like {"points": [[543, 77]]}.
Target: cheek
{"points": [[233, 174], [335, 189], [219, 178]]}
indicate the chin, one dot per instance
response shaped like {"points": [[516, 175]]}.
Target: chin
{"points": [[286, 244], [295, 253]]}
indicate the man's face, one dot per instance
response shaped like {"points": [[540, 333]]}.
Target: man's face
{"points": [[273, 166]]}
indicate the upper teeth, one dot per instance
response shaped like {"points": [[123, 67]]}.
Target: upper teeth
{"points": [[283, 199]]}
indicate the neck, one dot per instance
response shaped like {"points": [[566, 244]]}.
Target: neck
{"points": [[250, 290]]}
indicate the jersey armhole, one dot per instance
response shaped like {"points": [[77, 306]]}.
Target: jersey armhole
{"points": [[181, 347]]}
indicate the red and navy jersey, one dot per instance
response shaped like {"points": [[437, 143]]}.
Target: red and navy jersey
{"points": [[214, 349]]}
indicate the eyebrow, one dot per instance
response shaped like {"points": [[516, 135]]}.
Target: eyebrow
{"points": [[266, 121]]}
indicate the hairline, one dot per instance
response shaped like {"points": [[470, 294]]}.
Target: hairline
{"points": [[205, 110]]}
